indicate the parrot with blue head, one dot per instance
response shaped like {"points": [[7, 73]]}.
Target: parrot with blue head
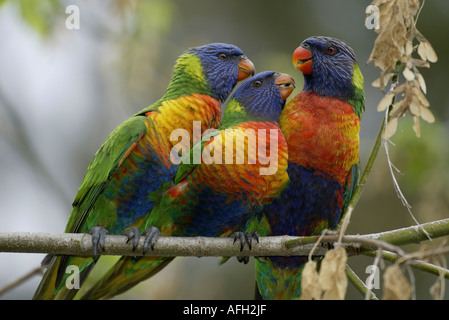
{"points": [[321, 125], [129, 172], [242, 167]]}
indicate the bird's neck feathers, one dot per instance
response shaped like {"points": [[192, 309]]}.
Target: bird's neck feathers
{"points": [[188, 77], [341, 81], [358, 99], [234, 114], [237, 112]]}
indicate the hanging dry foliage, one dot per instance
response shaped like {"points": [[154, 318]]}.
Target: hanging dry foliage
{"points": [[397, 41], [310, 285], [396, 285], [331, 282]]}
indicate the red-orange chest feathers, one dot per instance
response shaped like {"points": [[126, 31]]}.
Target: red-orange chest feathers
{"points": [[321, 133]]}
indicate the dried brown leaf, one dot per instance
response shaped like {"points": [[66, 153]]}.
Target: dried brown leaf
{"points": [[396, 107], [421, 97], [310, 287], [396, 286], [390, 128], [408, 74], [427, 115], [421, 82], [394, 44], [415, 107], [422, 51], [333, 280], [437, 289], [416, 127], [419, 63], [389, 44], [408, 48], [430, 53], [409, 9], [379, 2], [382, 81], [385, 102], [400, 88]]}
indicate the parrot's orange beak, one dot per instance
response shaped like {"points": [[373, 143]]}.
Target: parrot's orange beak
{"points": [[302, 59], [246, 68], [286, 85]]}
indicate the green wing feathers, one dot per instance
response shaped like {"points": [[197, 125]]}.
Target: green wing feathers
{"points": [[106, 161]]}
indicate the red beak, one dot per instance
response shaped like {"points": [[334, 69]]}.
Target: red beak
{"points": [[302, 59]]}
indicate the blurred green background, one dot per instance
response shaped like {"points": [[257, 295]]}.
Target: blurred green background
{"points": [[63, 91]]}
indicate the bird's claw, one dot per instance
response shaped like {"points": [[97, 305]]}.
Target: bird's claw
{"points": [[249, 236], [240, 236], [243, 238], [134, 235], [98, 238], [152, 234], [244, 259], [246, 237]]}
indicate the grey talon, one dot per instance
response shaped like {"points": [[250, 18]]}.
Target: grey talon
{"points": [[98, 239], [132, 234], [152, 234]]}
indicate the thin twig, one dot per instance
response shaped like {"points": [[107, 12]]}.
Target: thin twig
{"points": [[376, 262], [359, 284], [19, 281], [413, 234], [415, 263], [394, 83]]}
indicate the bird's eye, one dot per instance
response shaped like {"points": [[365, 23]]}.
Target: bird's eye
{"points": [[257, 84], [222, 56], [331, 50]]}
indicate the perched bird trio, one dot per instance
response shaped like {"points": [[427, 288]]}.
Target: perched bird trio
{"points": [[257, 166]]}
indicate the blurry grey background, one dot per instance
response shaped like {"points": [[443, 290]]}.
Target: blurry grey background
{"points": [[63, 91]]}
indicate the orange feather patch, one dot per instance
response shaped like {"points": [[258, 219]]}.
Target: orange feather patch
{"points": [[322, 133]]}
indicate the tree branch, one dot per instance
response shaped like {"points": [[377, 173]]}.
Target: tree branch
{"points": [[369, 244], [413, 234], [417, 264], [81, 244], [29, 275]]}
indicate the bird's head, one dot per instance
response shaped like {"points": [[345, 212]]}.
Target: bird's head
{"points": [[222, 66], [263, 95], [329, 67]]}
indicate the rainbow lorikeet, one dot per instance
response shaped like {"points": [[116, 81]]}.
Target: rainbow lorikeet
{"points": [[242, 167], [321, 125], [126, 177]]}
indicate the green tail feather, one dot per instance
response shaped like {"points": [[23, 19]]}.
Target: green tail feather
{"points": [[124, 275]]}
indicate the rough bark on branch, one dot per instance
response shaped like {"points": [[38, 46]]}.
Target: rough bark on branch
{"points": [[81, 244]]}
